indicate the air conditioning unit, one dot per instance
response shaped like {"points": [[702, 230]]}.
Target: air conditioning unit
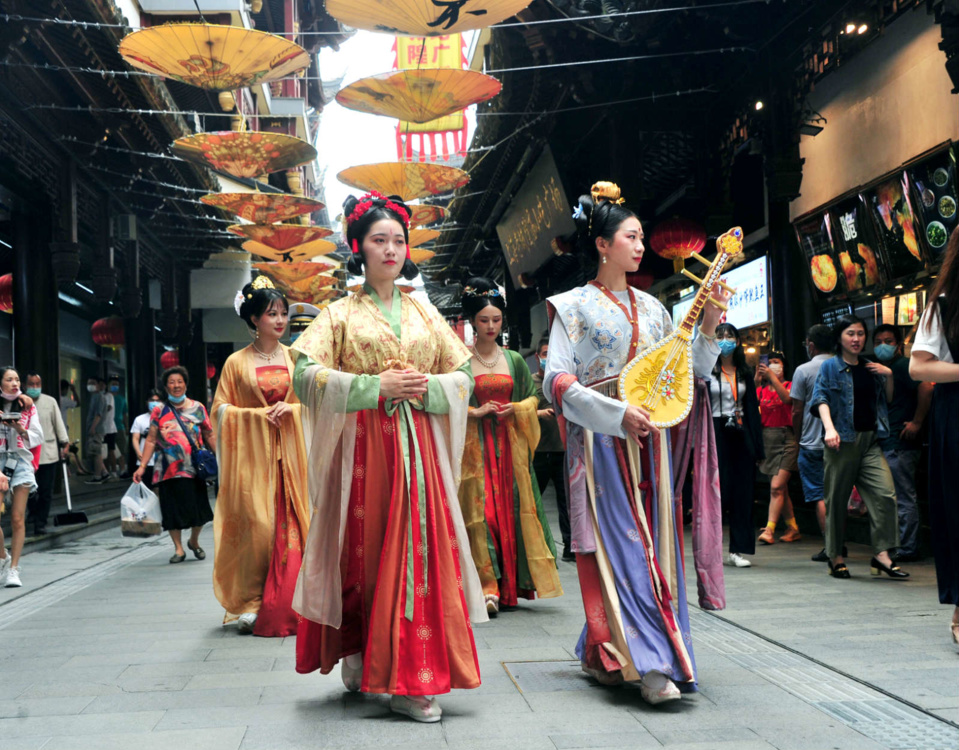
{"points": [[125, 227]]}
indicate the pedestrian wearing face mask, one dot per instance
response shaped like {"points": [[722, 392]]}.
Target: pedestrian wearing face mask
{"points": [[779, 443], [55, 443], [739, 440], [139, 432], [120, 410], [96, 424], [907, 413]]}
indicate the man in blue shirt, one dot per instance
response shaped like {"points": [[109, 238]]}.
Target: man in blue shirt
{"points": [[819, 346], [907, 412]]}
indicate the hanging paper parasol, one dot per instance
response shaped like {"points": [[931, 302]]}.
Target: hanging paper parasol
{"points": [[409, 181], [289, 273], [244, 154], [310, 290], [295, 254], [419, 95], [285, 242], [263, 208], [423, 17], [418, 255], [214, 57], [423, 214], [422, 236]]}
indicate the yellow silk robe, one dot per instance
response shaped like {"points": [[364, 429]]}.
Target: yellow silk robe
{"points": [[249, 450]]}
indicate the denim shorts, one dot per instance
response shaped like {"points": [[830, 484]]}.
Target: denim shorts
{"points": [[811, 468], [22, 475]]}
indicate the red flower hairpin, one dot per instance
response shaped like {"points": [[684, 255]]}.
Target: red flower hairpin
{"points": [[366, 203]]}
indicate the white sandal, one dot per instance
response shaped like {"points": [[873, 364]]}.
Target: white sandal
{"points": [[416, 707]]}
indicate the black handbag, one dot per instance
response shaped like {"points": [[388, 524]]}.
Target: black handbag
{"points": [[204, 461]]}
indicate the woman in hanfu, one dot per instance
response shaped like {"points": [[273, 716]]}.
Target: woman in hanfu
{"points": [[510, 538], [387, 583], [625, 534], [262, 512]]}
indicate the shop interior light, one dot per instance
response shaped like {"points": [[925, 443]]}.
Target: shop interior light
{"points": [[850, 27], [863, 28], [751, 350], [898, 286], [759, 105]]}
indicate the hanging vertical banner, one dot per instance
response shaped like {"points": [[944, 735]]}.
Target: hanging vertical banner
{"points": [[417, 52]]}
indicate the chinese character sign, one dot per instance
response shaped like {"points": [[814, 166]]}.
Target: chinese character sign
{"points": [[417, 52], [750, 305], [538, 214]]}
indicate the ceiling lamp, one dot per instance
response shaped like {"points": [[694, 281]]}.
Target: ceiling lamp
{"points": [[419, 95], [423, 17], [213, 56]]}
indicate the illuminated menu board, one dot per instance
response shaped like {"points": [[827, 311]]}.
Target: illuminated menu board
{"points": [[895, 226], [858, 260], [815, 240], [933, 184]]}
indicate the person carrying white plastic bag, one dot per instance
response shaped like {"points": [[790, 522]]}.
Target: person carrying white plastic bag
{"points": [[140, 512]]}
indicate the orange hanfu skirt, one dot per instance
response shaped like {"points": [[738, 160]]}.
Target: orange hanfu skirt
{"points": [[434, 652]]}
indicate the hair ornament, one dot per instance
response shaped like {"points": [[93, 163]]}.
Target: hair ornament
{"points": [[262, 282], [606, 191], [356, 245], [238, 301], [368, 201], [469, 291], [578, 212]]}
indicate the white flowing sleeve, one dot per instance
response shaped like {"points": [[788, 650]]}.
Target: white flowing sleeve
{"points": [[705, 354], [581, 405], [34, 436]]}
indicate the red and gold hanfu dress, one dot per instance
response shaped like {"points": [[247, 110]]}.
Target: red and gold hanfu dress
{"points": [[386, 570]]}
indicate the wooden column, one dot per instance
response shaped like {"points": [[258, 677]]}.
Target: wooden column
{"points": [[36, 319]]}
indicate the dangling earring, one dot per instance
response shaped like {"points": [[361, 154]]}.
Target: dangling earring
{"points": [[604, 260]]}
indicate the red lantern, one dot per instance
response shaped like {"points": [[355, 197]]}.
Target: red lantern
{"points": [[677, 238], [6, 293], [640, 280], [169, 359], [108, 332], [210, 371]]}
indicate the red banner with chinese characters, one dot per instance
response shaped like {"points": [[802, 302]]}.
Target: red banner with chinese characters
{"points": [[431, 140]]}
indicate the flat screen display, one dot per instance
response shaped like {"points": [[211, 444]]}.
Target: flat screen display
{"points": [[750, 305]]}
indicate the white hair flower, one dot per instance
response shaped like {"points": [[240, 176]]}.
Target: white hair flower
{"points": [[578, 212], [238, 301]]}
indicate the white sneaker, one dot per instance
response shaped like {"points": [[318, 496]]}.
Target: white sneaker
{"points": [[13, 578], [492, 604], [738, 561], [246, 622], [4, 569], [656, 688], [417, 707]]}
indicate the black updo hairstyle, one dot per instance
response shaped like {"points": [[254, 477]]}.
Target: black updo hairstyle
{"points": [[357, 230], [606, 215], [258, 301], [478, 294]]}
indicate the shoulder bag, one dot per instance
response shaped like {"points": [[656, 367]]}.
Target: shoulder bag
{"points": [[204, 461]]}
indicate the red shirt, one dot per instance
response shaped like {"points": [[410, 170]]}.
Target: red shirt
{"points": [[772, 411]]}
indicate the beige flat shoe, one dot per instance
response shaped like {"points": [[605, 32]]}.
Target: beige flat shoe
{"points": [[417, 707], [657, 688], [352, 674]]}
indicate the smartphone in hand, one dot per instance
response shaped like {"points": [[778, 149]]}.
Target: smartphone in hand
{"points": [[764, 360]]}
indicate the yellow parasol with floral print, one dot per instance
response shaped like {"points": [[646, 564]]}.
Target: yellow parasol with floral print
{"points": [[284, 242], [422, 236], [289, 273], [244, 153], [407, 180], [419, 95], [419, 255], [422, 17], [423, 214], [212, 56], [263, 208]]}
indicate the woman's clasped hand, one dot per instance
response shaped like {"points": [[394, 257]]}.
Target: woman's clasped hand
{"points": [[402, 385], [637, 425]]}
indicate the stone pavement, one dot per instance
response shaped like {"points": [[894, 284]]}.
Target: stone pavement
{"points": [[108, 646]]}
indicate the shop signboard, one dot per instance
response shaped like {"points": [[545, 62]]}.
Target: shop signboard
{"points": [[895, 225], [750, 305], [538, 214], [856, 248], [935, 197], [831, 317], [815, 236]]}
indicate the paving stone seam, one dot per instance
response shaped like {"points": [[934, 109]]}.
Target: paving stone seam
{"points": [[55, 591], [891, 719]]}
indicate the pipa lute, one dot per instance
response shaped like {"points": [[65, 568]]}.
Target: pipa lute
{"points": [[660, 379]]}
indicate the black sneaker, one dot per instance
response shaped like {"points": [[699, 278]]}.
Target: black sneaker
{"points": [[821, 556], [98, 480], [568, 555]]}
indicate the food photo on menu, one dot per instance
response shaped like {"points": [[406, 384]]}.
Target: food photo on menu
{"points": [[856, 245], [814, 235], [933, 184], [896, 227]]}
